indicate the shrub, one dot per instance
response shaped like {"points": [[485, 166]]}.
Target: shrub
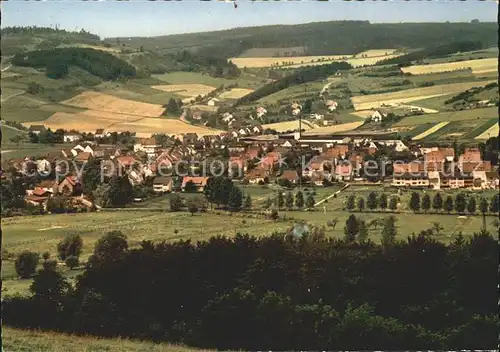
{"points": [[72, 262], [70, 246], [50, 265], [26, 263]]}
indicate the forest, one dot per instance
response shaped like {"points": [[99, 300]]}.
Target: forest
{"points": [[96, 62], [305, 75], [434, 51], [276, 292]]}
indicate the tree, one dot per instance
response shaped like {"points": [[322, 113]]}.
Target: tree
{"points": [[25, 264], [393, 204], [307, 106], [361, 203], [268, 203], [192, 206], [299, 199], [437, 202], [248, 202], [50, 264], [448, 204], [494, 204], [414, 202], [372, 201], [389, 232], [289, 200], [175, 202], [280, 200], [46, 255], [72, 262], [483, 206], [382, 203], [460, 203], [310, 201], [49, 286], [172, 106], [351, 202], [235, 200], [120, 191], [71, 245], [426, 202], [91, 177], [190, 187], [109, 248], [471, 205], [57, 69], [351, 228], [362, 231]]}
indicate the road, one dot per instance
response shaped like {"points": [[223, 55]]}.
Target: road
{"points": [[11, 96], [332, 195]]}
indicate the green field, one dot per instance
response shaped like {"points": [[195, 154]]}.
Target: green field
{"points": [[472, 114], [294, 92], [16, 340], [244, 81], [480, 129], [456, 130]]}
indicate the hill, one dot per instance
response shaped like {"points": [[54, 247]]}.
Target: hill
{"points": [[317, 37]]}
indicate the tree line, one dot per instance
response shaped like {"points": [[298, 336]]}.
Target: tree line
{"points": [[417, 203], [312, 293], [56, 61], [304, 75]]}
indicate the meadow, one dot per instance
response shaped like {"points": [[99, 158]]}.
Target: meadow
{"points": [[342, 127], [244, 81], [472, 114], [17, 340], [431, 130], [490, 132], [477, 67], [288, 126]]}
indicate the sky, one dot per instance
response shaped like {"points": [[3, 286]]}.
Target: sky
{"points": [[111, 18]]}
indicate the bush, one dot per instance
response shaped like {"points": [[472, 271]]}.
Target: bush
{"points": [[50, 265], [70, 246], [26, 263], [72, 262]]}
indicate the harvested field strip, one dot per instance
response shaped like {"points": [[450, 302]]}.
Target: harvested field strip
{"points": [[355, 62], [480, 129], [366, 102], [270, 61], [105, 102], [473, 114], [491, 132], [79, 122], [477, 66], [412, 131], [376, 52], [343, 127], [167, 126], [112, 116], [431, 130], [454, 130], [187, 90], [286, 126], [235, 93]]}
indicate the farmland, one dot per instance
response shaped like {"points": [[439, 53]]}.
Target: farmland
{"points": [[490, 132], [104, 102], [244, 81], [472, 114], [431, 130], [235, 93], [16, 340], [477, 67], [343, 127], [376, 100], [291, 61], [287, 126]]}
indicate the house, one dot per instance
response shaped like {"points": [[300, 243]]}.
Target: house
{"points": [[337, 151], [253, 153], [37, 200], [37, 129], [343, 171], [317, 163], [83, 157], [126, 161], [69, 153], [331, 105], [296, 106], [227, 117], [162, 184], [71, 137], [243, 131], [470, 155], [261, 112], [377, 116], [148, 145], [99, 133], [404, 168], [416, 180], [289, 143], [70, 186], [47, 186], [213, 102], [492, 179], [239, 163], [295, 112], [43, 166], [189, 138], [199, 182], [316, 116], [290, 175], [257, 129], [472, 166], [257, 176]]}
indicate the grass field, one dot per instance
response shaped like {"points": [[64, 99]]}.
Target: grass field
{"points": [[294, 92], [186, 90], [376, 52], [287, 126], [431, 130], [104, 102], [235, 93], [244, 81], [343, 127], [366, 102], [277, 61], [490, 132], [16, 340], [477, 67], [472, 114], [455, 130]]}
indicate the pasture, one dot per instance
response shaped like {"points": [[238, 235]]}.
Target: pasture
{"points": [[288, 126], [186, 90], [342, 127], [295, 61], [472, 114], [366, 102], [17, 340], [430, 131], [477, 66], [244, 81], [105, 102], [376, 52], [235, 93]]}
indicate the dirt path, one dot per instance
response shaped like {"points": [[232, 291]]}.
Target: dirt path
{"points": [[5, 69], [332, 195], [11, 96]]}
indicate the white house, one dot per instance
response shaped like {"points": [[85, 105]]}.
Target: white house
{"points": [[261, 112], [331, 105], [71, 137], [227, 117], [317, 116], [377, 116], [149, 146], [257, 129], [295, 112], [99, 133], [213, 102]]}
